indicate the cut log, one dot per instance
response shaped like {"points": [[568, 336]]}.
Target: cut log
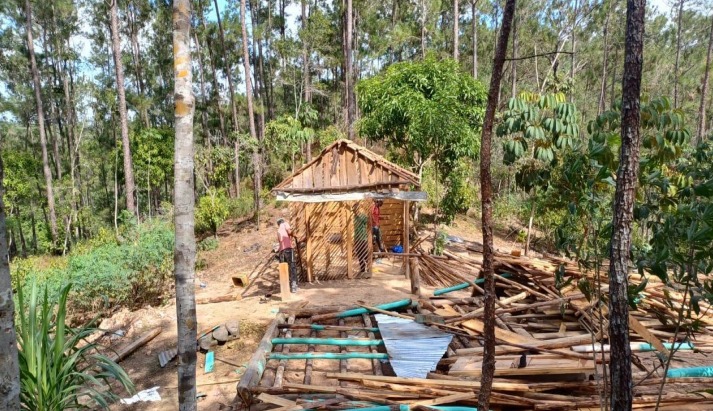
{"points": [[123, 352]]}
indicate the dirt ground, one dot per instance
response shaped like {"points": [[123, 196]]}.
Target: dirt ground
{"points": [[242, 250]]}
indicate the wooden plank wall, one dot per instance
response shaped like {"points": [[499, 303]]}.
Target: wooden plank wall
{"points": [[340, 167], [392, 224], [330, 251]]}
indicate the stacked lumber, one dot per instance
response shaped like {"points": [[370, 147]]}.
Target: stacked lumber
{"points": [[551, 344]]}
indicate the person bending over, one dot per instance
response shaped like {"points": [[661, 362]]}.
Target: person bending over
{"points": [[287, 252]]}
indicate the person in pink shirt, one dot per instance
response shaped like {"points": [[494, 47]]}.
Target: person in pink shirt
{"points": [[287, 254]]}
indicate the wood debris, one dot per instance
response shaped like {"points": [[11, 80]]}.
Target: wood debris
{"points": [[551, 351]]}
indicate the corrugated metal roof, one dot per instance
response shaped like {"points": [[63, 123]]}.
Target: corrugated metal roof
{"points": [[414, 349]]}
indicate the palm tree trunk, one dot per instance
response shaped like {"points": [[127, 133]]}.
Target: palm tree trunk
{"points": [[123, 120], [486, 187], [257, 183], [41, 126], [704, 90], [9, 366], [620, 363], [185, 243]]}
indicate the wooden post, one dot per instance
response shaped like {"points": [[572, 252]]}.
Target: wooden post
{"points": [[285, 293], [406, 242], [308, 233], [369, 237], [415, 277], [349, 240]]}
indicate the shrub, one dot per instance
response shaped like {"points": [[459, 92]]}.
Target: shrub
{"points": [[241, 206], [212, 211], [209, 244], [57, 369], [131, 272]]}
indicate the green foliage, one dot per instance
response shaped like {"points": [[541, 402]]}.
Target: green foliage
{"points": [[328, 136], [58, 368], [683, 232], [285, 135], [152, 154], [536, 128], [241, 206], [212, 211], [209, 244], [129, 272], [426, 110], [440, 244]]}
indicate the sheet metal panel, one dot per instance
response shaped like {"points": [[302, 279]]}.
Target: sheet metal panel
{"points": [[414, 349]]}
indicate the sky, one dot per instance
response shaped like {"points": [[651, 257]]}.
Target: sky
{"points": [[83, 44]]}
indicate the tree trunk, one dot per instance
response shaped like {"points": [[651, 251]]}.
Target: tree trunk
{"points": [[226, 70], [486, 187], [456, 17], [605, 62], [123, 120], [306, 79], [620, 363], [204, 113], [476, 17], [9, 366], [348, 69], [574, 41], [184, 257], [41, 126], [613, 79], [34, 227], [136, 56], [423, 29], [214, 73], [514, 56], [23, 243], [233, 109], [529, 226], [257, 183], [679, 25], [701, 132]]}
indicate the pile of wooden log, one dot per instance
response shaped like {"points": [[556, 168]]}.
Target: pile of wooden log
{"points": [[551, 348]]}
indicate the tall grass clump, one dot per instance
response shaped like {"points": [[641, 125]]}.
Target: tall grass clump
{"points": [[58, 369], [130, 270]]}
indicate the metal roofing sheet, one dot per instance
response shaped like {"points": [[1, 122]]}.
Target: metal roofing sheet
{"points": [[414, 349]]}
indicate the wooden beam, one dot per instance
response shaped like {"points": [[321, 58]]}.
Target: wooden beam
{"points": [[256, 366], [501, 386], [285, 294], [647, 336], [349, 224], [406, 242], [345, 187], [128, 349], [308, 233]]}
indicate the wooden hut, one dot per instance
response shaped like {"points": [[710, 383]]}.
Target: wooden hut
{"points": [[331, 199]]}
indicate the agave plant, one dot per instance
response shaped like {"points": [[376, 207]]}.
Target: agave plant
{"points": [[58, 369]]}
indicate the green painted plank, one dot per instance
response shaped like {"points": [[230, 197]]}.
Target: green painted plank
{"points": [[328, 341]]}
